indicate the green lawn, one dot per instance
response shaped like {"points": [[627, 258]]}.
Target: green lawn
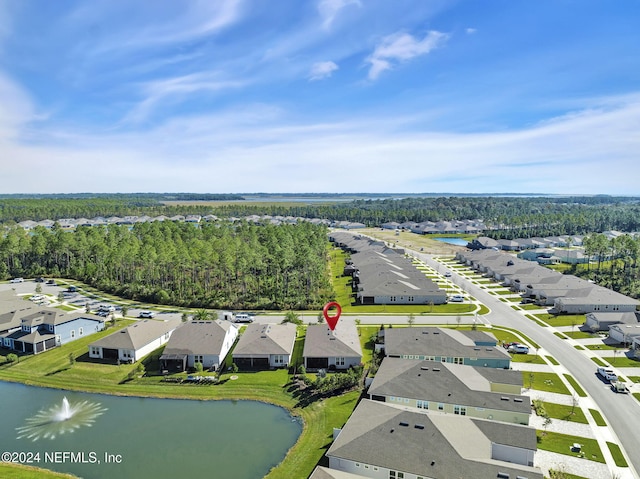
{"points": [[562, 320], [561, 444], [53, 369], [560, 335], [537, 321], [549, 382], [579, 391], [597, 417], [603, 347], [621, 361], [18, 471], [563, 412], [553, 360], [598, 361], [579, 334], [527, 358], [618, 457]]}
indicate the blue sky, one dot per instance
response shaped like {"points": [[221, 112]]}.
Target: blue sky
{"points": [[320, 96]]}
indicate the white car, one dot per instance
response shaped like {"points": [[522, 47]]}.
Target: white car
{"points": [[608, 374], [456, 298], [518, 349], [17, 280], [109, 308], [146, 314]]}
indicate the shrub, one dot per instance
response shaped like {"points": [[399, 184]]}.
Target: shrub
{"points": [[11, 358]]}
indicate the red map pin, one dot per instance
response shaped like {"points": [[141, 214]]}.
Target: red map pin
{"points": [[332, 321]]}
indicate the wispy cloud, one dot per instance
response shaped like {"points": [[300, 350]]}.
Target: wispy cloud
{"points": [[401, 47], [177, 88], [329, 9], [322, 70], [470, 31], [16, 110]]}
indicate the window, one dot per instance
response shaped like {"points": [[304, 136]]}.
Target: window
{"points": [[422, 404], [461, 410], [95, 351], [440, 406], [396, 475], [340, 361], [411, 299], [80, 331], [393, 298], [166, 336], [73, 333], [198, 358], [443, 359], [458, 360], [278, 359]]}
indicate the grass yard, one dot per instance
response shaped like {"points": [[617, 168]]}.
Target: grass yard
{"points": [[621, 361], [541, 381], [602, 347], [574, 384], [18, 471], [552, 360], [598, 361], [597, 417], [527, 358], [561, 444], [563, 412], [618, 457], [562, 320], [537, 321], [579, 334], [53, 369]]}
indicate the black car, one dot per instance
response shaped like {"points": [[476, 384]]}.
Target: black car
{"points": [[51, 282], [39, 279], [72, 289]]}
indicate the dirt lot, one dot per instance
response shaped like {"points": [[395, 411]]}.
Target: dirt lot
{"points": [[413, 241]]}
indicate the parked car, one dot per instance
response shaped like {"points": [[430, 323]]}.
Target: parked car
{"points": [[17, 280], [51, 282], [109, 308], [146, 314], [527, 301], [103, 314], [39, 279], [243, 318], [508, 345], [456, 298], [518, 349], [607, 374], [72, 289]]}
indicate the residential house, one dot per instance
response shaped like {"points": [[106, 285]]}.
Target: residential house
{"points": [[28, 328], [624, 333], [471, 348], [594, 298], [204, 342], [332, 350], [485, 393], [597, 321], [265, 346], [389, 442], [135, 341]]}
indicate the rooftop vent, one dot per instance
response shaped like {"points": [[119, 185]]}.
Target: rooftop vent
{"points": [[476, 349], [419, 426], [517, 399], [436, 332], [425, 332], [436, 369], [405, 424], [424, 368], [503, 475], [504, 398]]}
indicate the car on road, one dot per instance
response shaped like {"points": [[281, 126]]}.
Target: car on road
{"points": [[607, 374], [518, 349], [146, 314], [39, 279], [447, 274], [51, 282], [72, 289], [243, 318], [527, 301], [103, 314], [17, 280]]}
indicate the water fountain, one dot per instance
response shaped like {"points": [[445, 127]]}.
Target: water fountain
{"points": [[60, 419]]}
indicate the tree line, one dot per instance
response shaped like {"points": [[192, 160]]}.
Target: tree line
{"points": [[221, 265]]}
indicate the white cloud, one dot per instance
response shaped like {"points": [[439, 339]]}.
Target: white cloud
{"points": [[329, 9], [177, 88], [400, 47], [322, 70], [17, 108], [470, 31]]}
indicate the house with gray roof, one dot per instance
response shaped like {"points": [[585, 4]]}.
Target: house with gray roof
{"points": [[332, 350], [132, 343], [265, 346], [29, 328], [384, 441], [205, 342], [593, 298], [471, 348], [624, 333], [485, 393], [598, 321]]}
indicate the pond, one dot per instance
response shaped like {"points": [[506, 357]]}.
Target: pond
{"points": [[99, 436], [455, 241]]}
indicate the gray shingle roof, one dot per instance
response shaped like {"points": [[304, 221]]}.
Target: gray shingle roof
{"points": [[266, 339], [321, 342], [198, 337], [438, 342], [138, 334], [435, 445], [446, 383]]}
